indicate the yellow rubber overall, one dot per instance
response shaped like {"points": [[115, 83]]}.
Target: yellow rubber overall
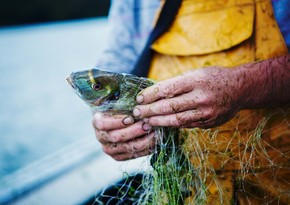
{"points": [[247, 158]]}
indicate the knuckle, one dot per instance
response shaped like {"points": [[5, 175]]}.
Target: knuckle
{"points": [[102, 136], [120, 157], [98, 136], [94, 122], [186, 118], [137, 147], [107, 149], [176, 122], [166, 107], [201, 100], [182, 117], [167, 90], [114, 137], [209, 114], [121, 135], [98, 124]]}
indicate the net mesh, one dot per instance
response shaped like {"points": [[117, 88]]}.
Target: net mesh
{"points": [[199, 168], [245, 161]]}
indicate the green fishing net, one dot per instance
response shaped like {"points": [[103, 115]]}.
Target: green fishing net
{"points": [[244, 161]]}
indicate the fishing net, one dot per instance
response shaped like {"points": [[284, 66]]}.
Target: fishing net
{"points": [[244, 161], [208, 167]]}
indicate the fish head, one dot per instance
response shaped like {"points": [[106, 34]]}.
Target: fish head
{"points": [[97, 88]]}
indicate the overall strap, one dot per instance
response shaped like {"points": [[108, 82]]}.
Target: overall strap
{"points": [[164, 21]]}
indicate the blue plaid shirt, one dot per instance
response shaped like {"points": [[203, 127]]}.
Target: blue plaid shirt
{"points": [[131, 22]]}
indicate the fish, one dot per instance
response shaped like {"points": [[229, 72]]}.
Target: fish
{"points": [[106, 91]]}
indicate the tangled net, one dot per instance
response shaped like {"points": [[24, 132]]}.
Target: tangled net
{"points": [[209, 167], [245, 161]]}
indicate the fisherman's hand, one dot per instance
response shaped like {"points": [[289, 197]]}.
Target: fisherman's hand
{"points": [[202, 98], [121, 137]]}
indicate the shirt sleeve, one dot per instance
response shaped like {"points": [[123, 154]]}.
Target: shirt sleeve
{"points": [[120, 54], [282, 15]]}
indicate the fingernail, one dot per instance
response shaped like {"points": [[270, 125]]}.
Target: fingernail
{"points": [[146, 120], [136, 112], [127, 120], [146, 127], [140, 98]]}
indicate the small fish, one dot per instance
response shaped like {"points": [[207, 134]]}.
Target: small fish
{"points": [[108, 91]]}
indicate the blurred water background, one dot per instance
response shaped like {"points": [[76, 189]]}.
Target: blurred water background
{"points": [[39, 111], [44, 126]]}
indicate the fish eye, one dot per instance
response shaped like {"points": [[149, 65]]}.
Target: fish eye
{"points": [[97, 86]]}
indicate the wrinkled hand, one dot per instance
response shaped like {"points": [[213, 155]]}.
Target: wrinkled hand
{"points": [[121, 138], [202, 98]]}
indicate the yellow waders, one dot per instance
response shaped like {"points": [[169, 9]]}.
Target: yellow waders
{"points": [[248, 158]]}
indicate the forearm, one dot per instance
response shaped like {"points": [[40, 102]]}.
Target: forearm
{"points": [[265, 83]]}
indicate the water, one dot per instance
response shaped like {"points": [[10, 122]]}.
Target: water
{"points": [[39, 113]]}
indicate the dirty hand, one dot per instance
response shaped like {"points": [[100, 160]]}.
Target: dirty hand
{"points": [[202, 98], [121, 138]]}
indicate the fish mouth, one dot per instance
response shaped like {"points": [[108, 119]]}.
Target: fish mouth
{"points": [[69, 80]]}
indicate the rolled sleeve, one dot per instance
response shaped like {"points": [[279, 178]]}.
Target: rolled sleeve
{"points": [[130, 24]]}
